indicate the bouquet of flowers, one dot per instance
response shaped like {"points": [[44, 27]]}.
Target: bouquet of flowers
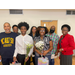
{"points": [[28, 47], [40, 45]]}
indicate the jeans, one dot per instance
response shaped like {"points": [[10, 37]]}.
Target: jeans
{"points": [[52, 62], [36, 59]]}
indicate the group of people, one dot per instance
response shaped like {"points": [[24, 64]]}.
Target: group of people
{"points": [[13, 48]]}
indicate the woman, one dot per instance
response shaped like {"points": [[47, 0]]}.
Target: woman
{"points": [[48, 45], [20, 47], [33, 34], [65, 46]]}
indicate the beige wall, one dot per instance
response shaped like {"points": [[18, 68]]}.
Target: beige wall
{"points": [[33, 17]]}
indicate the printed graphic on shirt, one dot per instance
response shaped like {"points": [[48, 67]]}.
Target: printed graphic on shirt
{"points": [[7, 41]]}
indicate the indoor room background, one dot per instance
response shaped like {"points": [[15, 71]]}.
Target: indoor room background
{"points": [[34, 16]]}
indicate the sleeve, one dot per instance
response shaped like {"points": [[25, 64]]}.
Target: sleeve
{"points": [[35, 39], [57, 39], [71, 44], [16, 50], [31, 50], [49, 38]]}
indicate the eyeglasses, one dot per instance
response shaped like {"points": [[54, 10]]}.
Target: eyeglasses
{"points": [[42, 30]]}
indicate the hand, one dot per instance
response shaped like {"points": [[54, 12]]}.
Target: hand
{"points": [[61, 49], [14, 59], [45, 52], [56, 53], [26, 59], [0, 57]]}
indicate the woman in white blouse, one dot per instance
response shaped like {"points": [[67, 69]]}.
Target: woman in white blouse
{"points": [[20, 47]]}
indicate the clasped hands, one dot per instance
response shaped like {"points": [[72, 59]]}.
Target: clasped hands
{"points": [[44, 53]]}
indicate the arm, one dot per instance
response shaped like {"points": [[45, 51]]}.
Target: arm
{"points": [[71, 44], [51, 47], [31, 50], [37, 50], [16, 51]]}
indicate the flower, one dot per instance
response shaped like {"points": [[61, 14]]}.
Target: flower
{"points": [[28, 47], [40, 45]]}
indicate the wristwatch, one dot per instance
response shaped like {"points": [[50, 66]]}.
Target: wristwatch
{"points": [[62, 49]]}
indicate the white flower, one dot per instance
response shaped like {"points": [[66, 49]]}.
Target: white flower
{"points": [[40, 45]]}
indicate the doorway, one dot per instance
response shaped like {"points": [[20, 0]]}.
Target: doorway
{"points": [[49, 23]]}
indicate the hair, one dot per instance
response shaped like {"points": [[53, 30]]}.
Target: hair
{"points": [[14, 26], [46, 30], [66, 25], [6, 22], [31, 31], [23, 24]]}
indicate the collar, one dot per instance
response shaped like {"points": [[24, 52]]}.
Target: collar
{"points": [[65, 35], [24, 35], [43, 37]]}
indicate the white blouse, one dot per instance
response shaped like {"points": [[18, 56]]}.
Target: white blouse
{"points": [[20, 46]]}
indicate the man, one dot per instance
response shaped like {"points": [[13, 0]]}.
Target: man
{"points": [[15, 29], [20, 46], [7, 44], [54, 37]]}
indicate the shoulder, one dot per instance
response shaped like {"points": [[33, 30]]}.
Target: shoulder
{"points": [[70, 36], [2, 33], [28, 36], [56, 34], [48, 38], [47, 34], [37, 37], [14, 33]]}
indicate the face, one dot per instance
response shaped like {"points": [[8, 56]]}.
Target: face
{"points": [[23, 30], [15, 29], [7, 27], [42, 31], [34, 30], [53, 28], [64, 30]]}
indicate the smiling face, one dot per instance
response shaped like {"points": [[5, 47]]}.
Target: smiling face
{"points": [[15, 29], [42, 31], [34, 30], [23, 30], [7, 27], [64, 30]]}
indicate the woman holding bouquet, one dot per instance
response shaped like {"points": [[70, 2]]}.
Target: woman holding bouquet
{"points": [[48, 44], [20, 46]]}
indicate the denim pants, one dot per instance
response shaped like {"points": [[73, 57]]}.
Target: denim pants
{"points": [[52, 62], [36, 59]]}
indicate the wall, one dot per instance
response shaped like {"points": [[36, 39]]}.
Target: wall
{"points": [[34, 17]]}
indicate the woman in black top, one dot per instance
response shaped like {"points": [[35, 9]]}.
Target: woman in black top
{"points": [[34, 34]]}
